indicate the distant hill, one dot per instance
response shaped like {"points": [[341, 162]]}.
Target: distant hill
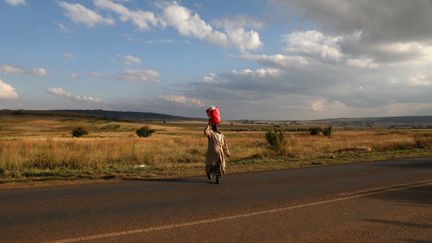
{"points": [[400, 121], [102, 114]]}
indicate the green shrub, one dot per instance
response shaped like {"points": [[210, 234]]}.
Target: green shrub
{"points": [[315, 131], [78, 132], [276, 140], [423, 141], [145, 131], [327, 131]]}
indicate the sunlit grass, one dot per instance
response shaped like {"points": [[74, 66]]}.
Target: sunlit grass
{"points": [[38, 146]]}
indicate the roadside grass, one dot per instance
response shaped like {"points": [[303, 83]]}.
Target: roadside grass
{"points": [[42, 148]]}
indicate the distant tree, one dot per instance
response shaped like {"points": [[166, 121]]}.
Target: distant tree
{"points": [[315, 131], [276, 140], [145, 131], [78, 132], [327, 131]]}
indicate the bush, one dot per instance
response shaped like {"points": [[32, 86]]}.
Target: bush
{"points": [[423, 141], [327, 131], [276, 140], [315, 131], [78, 132], [145, 131]]}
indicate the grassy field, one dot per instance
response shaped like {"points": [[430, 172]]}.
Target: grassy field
{"points": [[42, 148]]}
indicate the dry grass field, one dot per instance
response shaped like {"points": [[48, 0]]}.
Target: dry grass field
{"points": [[38, 147]]}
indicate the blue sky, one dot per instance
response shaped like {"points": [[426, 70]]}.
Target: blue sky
{"points": [[268, 60]]}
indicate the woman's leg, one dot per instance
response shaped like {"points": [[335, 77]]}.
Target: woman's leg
{"points": [[208, 172]]}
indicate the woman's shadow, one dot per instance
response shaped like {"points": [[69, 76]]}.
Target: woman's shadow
{"points": [[171, 180]]}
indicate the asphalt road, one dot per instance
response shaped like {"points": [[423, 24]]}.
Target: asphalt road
{"points": [[389, 201]]}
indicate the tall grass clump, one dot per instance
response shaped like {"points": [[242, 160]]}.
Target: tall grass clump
{"points": [[145, 131], [423, 141], [315, 131], [327, 131], [276, 140], [79, 132]]}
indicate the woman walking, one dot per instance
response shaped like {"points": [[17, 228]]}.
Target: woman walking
{"points": [[217, 150]]}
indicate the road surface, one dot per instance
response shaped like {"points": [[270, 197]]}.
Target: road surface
{"points": [[388, 201]]}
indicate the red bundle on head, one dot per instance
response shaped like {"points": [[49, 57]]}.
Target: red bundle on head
{"points": [[214, 115]]}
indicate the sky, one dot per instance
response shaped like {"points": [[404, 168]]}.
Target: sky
{"points": [[255, 59]]}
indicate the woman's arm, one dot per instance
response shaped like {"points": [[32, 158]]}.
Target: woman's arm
{"points": [[225, 149], [207, 130]]}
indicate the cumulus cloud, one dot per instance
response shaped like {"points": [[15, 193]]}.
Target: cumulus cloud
{"points": [[7, 91], [317, 106], [131, 60], [261, 72], [79, 14], [277, 60], [314, 43], [137, 75], [15, 2], [7, 69], [386, 31], [402, 20], [68, 55], [62, 27], [239, 21], [188, 23], [142, 19], [237, 34], [179, 99], [62, 93], [210, 78], [367, 63], [238, 31], [420, 80]]}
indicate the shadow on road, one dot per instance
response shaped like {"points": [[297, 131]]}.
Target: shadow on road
{"points": [[414, 164], [399, 223], [418, 241], [421, 196], [171, 180]]}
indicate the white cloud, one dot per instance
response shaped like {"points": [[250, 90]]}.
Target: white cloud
{"points": [[15, 2], [380, 20], [179, 99], [277, 60], [317, 106], [76, 76], [314, 43], [68, 55], [7, 69], [138, 75], [237, 34], [243, 39], [184, 20], [260, 72], [159, 41], [131, 60], [210, 78], [142, 19], [62, 27], [238, 21], [367, 63], [62, 93], [7, 91], [82, 15], [188, 23], [420, 80]]}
